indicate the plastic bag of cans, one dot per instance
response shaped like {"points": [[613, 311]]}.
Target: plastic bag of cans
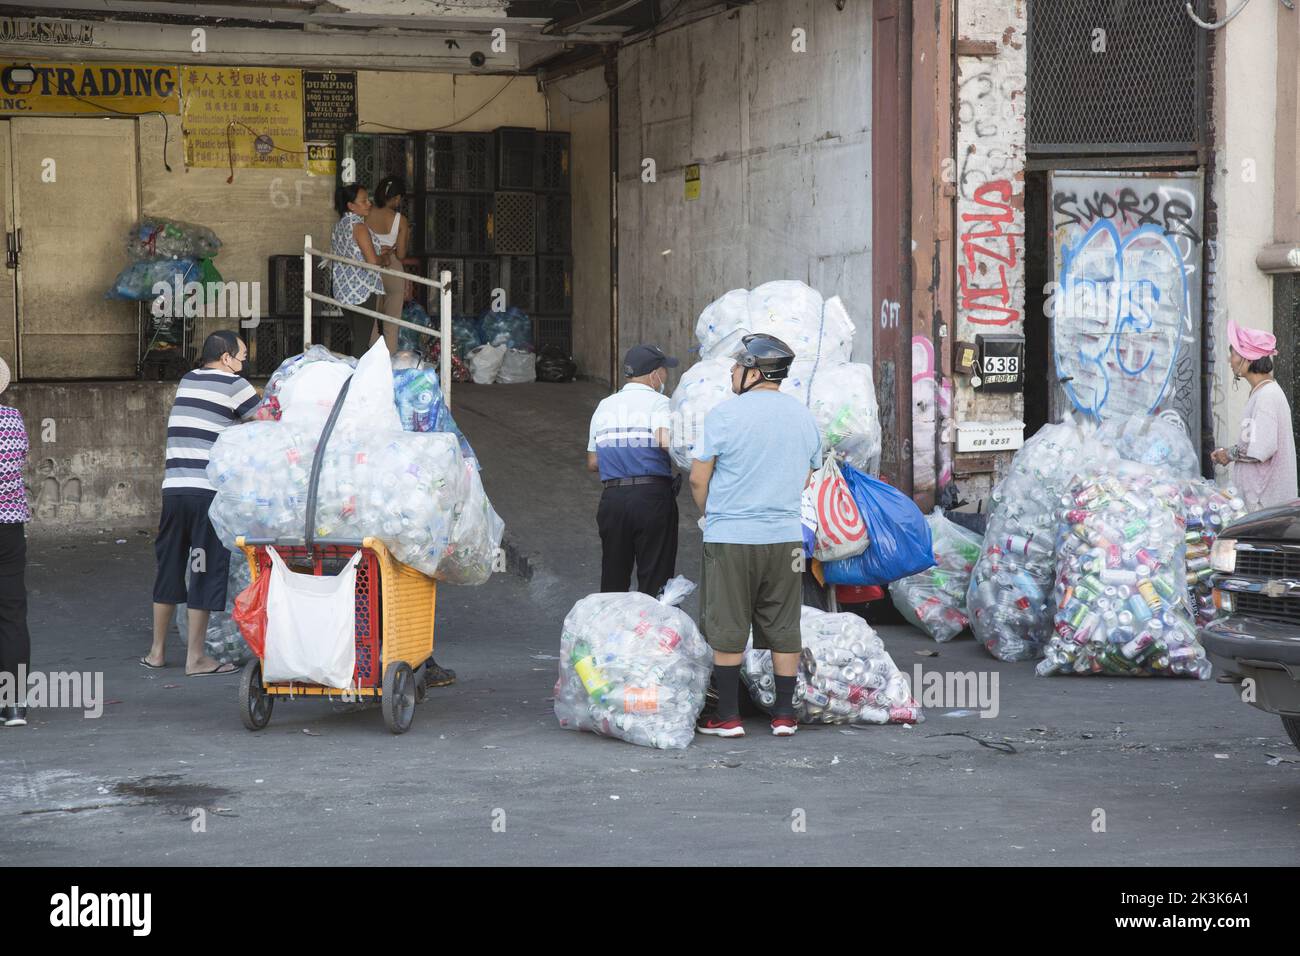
{"points": [[702, 388], [634, 668], [845, 675], [1121, 592], [1009, 601], [935, 600], [1206, 510]]}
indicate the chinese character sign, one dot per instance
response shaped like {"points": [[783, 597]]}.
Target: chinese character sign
{"points": [[248, 117]]}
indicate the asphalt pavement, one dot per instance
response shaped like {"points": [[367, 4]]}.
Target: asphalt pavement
{"points": [[1083, 770]]}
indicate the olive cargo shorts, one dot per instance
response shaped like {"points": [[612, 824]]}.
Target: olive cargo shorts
{"points": [[744, 585]]}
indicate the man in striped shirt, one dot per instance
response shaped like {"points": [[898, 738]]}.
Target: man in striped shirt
{"points": [[208, 401]]}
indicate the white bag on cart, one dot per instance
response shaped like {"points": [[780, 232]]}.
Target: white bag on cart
{"points": [[310, 625]]}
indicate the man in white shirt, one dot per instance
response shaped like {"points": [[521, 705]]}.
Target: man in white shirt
{"points": [[628, 445]]}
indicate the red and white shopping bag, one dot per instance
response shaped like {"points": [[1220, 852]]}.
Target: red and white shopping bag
{"points": [[841, 531]]}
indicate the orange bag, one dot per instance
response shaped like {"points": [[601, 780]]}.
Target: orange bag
{"points": [[250, 613]]}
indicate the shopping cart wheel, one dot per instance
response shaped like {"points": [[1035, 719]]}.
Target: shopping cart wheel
{"points": [[254, 702], [398, 700]]}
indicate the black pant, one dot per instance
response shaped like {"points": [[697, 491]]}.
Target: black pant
{"points": [[362, 326], [638, 525], [15, 642]]}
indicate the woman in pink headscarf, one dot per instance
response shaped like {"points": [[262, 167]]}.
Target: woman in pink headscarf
{"points": [[1264, 469]]}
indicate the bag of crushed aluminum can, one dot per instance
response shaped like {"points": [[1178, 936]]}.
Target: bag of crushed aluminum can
{"points": [[702, 388], [1009, 601], [1122, 606], [154, 237], [1159, 440], [223, 641], [845, 675], [633, 667], [1206, 510], [935, 600]]}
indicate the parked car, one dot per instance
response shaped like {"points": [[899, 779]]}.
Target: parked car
{"points": [[1257, 583]]}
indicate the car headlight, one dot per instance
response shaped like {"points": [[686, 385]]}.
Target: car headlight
{"points": [[1223, 555]]}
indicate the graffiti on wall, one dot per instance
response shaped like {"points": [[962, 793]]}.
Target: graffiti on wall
{"points": [[931, 401], [1125, 296], [990, 205]]}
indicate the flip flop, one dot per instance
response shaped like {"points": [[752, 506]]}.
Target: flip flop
{"points": [[144, 661], [216, 671]]}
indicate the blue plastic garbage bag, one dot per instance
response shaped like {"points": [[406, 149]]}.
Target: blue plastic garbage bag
{"points": [[136, 282], [466, 334], [512, 328], [900, 535]]}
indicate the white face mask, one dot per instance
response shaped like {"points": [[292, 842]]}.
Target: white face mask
{"points": [[662, 382]]}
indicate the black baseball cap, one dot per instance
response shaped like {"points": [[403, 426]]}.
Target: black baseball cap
{"points": [[644, 359]]}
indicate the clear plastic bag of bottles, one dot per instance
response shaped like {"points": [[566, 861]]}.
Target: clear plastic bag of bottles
{"points": [[421, 407], [475, 542], [511, 328], [816, 329], [722, 324], [845, 675], [154, 237], [1206, 510], [466, 334], [1009, 603], [409, 340], [843, 400], [261, 471], [270, 407], [702, 388], [223, 642], [1121, 591], [634, 668], [136, 282], [935, 600], [1155, 440]]}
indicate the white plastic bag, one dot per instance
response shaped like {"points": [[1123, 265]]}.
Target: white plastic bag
{"points": [[702, 388], [722, 324], [369, 406], [517, 367], [310, 625], [307, 397], [485, 362]]}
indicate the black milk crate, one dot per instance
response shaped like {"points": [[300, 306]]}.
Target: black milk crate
{"points": [[554, 223], [334, 334], [376, 155], [519, 279], [458, 162], [554, 284], [516, 150], [553, 330], [429, 297], [482, 279], [275, 338], [514, 224], [457, 224], [284, 286], [552, 163]]}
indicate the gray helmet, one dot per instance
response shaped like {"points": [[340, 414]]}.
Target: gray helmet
{"points": [[768, 354]]}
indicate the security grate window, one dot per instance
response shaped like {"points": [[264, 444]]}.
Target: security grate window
{"points": [[1115, 76]]}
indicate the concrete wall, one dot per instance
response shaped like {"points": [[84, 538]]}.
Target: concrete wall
{"points": [[1245, 118], [580, 104], [783, 143], [990, 170], [97, 452]]}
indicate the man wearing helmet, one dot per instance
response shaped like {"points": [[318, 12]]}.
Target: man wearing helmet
{"points": [[752, 461]]}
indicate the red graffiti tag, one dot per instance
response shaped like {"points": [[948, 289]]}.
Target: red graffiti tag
{"points": [[998, 246]]}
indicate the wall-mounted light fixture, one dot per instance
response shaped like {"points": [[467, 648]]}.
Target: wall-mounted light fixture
{"points": [[18, 79]]}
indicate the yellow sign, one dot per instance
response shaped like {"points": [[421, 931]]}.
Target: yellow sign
{"points": [[242, 116], [98, 88], [692, 182], [321, 159]]}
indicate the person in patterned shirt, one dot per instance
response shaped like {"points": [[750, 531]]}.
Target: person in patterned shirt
{"points": [[353, 239], [15, 641]]}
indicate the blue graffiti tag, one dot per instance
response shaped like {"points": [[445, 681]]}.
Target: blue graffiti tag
{"points": [[1131, 303]]}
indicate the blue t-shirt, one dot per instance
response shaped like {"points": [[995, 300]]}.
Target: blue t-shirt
{"points": [[764, 443]]}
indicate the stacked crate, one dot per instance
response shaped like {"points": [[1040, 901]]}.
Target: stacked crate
{"points": [[497, 215]]}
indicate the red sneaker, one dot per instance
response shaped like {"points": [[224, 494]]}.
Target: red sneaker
{"points": [[784, 726], [714, 727]]}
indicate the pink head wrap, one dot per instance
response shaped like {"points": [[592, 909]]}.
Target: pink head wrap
{"points": [[1251, 344]]}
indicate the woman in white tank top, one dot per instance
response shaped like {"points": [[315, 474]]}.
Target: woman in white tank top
{"points": [[392, 233]]}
